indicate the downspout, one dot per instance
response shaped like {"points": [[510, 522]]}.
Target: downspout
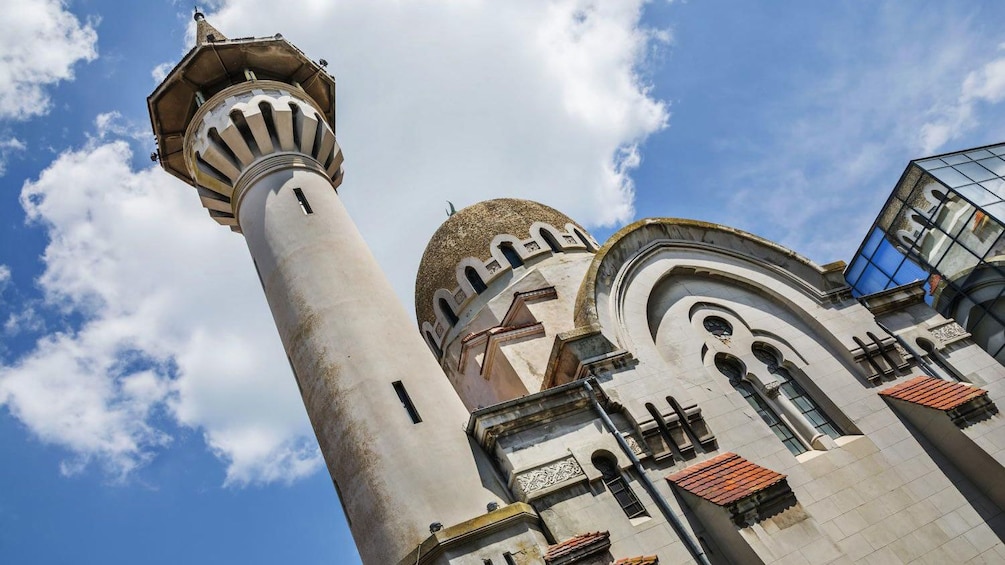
{"points": [[693, 547], [922, 362]]}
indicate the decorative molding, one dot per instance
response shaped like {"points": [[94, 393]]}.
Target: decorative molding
{"points": [[549, 475], [493, 266], [772, 389], [633, 444], [949, 332], [460, 296], [569, 239], [532, 246]]}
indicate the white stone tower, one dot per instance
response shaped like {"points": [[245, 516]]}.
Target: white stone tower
{"points": [[250, 124]]}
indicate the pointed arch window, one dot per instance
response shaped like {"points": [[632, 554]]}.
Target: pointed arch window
{"points": [[733, 371], [511, 255], [795, 392], [448, 312], [582, 237], [550, 240], [474, 279]]}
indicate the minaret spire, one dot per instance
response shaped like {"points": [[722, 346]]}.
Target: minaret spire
{"points": [[204, 31]]}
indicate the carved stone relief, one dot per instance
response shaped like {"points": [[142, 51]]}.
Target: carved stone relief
{"points": [[549, 475], [492, 266], [948, 331], [532, 246]]}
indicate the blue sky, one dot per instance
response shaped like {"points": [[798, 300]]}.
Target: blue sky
{"points": [[146, 410]]}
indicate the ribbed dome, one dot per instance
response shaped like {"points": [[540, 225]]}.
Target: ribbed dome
{"points": [[469, 233]]}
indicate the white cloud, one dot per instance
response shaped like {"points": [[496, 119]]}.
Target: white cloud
{"points": [[984, 85], [838, 133], [40, 42], [461, 101], [112, 124], [469, 101], [9, 146], [134, 253], [161, 71]]}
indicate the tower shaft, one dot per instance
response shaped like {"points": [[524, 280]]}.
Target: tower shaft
{"points": [[249, 123]]}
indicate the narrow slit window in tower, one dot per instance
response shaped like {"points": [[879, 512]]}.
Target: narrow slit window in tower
{"points": [[550, 240], [304, 204], [448, 312], [508, 558], [406, 401]]}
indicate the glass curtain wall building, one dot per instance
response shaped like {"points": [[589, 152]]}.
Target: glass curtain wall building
{"points": [[943, 224]]}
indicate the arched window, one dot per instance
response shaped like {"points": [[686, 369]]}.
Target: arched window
{"points": [[582, 237], [510, 254], [718, 326], [448, 312], [474, 279], [936, 357], [795, 392], [733, 371], [432, 344], [550, 240], [619, 488]]}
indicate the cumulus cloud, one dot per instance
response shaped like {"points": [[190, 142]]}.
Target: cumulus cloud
{"points": [[136, 256], [984, 85], [39, 45], [469, 101], [160, 71], [438, 101]]}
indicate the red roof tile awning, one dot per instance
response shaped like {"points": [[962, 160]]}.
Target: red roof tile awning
{"points": [[583, 542], [934, 393], [725, 479], [642, 560]]}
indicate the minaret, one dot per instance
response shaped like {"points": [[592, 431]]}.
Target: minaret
{"points": [[250, 124]]}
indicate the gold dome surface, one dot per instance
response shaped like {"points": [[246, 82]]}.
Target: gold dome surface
{"points": [[469, 233]]}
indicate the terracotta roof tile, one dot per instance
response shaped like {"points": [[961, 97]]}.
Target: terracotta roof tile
{"points": [[725, 479], [934, 393], [641, 560], [580, 542]]}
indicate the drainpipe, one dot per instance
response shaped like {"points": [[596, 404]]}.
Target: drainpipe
{"points": [[922, 363], [692, 544]]}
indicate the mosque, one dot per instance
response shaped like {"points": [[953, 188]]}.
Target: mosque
{"points": [[683, 392]]}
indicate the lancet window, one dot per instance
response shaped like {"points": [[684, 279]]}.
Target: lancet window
{"points": [[733, 370], [793, 391], [619, 487]]}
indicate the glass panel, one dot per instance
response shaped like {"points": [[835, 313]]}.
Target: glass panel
{"points": [[975, 171], [909, 272], [887, 258], [872, 280], [997, 149], [855, 269], [979, 154], [957, 262], [795, 393], [977, 194], [870, 245], [951, 177], [930, 164], [781, 431], [982, 233], [995, 165], [955, 159], [996, 211], [995, 186]]}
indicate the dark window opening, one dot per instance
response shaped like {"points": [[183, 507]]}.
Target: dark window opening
{"points": [[795, 392], [304, 204], [550, 240], [583, 239], [619, 487], [432, 344], [717, 326], [511, 255], [448, 312], [475, 279], [508, 558], [406, 401], [734, 372]]}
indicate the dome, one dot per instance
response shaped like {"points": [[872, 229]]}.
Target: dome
{"points": [[469, 233]]}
